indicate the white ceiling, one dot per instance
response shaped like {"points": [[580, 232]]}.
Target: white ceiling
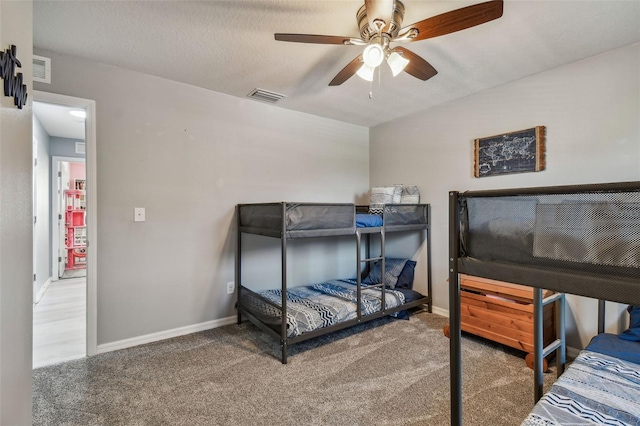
{"points": [[229, 47], [58, 122]]}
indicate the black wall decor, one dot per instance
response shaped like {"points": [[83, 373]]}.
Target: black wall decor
{"points": [[516, 152], [12, 82]]}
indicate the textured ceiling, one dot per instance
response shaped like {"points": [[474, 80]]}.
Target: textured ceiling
{"points": [[229, 47]]}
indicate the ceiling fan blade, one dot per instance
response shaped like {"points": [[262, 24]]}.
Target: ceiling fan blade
{"points": [[417, 67], [312, 38], [456, 20], [379, 9], [346, 72]]}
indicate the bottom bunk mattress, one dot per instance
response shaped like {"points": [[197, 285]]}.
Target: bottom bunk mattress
{"points": [[595, 389], [322, 305]]}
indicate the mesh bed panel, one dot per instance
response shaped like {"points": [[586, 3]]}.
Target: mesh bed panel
{"points": [[594, 234], [301, 219], [597, 233], [405, 214]]}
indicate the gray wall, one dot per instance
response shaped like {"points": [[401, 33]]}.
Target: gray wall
{"points": [[592, 114], [64, 147], [42, 229], [189, 155], [16, 24]]}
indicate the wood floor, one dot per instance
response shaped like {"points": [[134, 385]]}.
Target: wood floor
{"points": [[59, 323]]}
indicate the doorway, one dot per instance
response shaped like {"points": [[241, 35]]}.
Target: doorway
{"points": [[68, 264], [68, 217]]}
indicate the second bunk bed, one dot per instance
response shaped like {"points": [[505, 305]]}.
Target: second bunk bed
{"points": [[577, 239], [380, 285]]}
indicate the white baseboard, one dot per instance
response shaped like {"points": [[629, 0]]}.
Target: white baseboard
{"points": [[440, 311], [42, 290], [162, 335]]}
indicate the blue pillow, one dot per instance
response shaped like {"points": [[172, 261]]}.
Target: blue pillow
{"points": [[405, 279], [393, 269], [609, 344], [633, 332]]}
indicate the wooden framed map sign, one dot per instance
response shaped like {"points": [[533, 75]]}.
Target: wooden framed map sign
{"points": [[516, 152]]}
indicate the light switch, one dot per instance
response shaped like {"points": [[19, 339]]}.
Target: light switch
{"points": [[138, 214]]}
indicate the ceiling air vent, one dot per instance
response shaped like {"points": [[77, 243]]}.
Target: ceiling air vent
{"points": [[42, 69], [265, 96]]}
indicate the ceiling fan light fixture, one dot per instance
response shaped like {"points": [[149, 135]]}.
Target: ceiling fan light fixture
{"points": [[366, 72], [397, 63], [373, 55]]}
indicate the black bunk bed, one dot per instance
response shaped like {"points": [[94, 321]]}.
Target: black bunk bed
{"points": [[359, 299], [581, 239]]}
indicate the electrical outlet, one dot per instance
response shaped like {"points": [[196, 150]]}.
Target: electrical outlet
{"points": [[231, 287]]}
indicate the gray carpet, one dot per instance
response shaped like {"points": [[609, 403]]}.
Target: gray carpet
{"points": [[388, 372]]}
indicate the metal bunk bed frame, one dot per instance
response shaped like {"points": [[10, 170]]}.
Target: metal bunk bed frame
{"points": [[359, 233], [600, 283]]}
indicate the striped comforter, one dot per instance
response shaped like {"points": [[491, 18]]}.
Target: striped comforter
{"points": [[595, 389], [321, 305]]}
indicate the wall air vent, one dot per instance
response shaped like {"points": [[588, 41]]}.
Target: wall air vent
{"points": [[81, 148], [42, 69], [265, 96]]}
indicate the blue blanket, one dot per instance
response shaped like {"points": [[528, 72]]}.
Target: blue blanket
{"points": [[325, 304], [595, 389], [368, 220]]}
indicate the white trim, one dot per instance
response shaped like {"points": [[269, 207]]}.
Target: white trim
{"points": [[92, 206], [163, 335], [42, 290], [440, 311]]}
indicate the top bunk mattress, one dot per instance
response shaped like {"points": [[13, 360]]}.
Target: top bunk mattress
{"points": [[301, 220]]}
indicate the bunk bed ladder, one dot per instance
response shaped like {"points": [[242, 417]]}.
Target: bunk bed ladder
{"points": [[367, 260], [559, 345]]}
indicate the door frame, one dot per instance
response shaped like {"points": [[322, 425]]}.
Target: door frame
{"points": [[56, 209], [34, 173], [92, 194]]}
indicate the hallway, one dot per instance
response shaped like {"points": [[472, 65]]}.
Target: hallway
{"points": [[59, 323]]}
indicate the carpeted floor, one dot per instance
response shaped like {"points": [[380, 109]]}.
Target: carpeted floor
{"points": [[388, 372]]}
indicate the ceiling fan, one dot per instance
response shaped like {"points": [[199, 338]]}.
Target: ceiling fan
{"points": [[380, 23]]}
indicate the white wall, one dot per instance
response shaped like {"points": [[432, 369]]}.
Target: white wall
{"points": [[591, 110], [189, 155], [16, 25]]}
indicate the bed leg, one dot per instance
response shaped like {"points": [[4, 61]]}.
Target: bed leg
{"points": [[283, 346], [239, 317]]}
